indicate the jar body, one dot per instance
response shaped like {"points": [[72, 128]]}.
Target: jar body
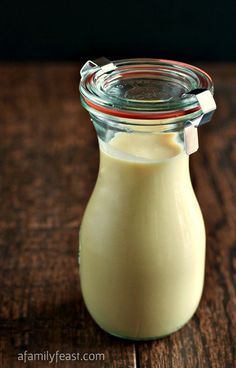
{"points": [[142, 239]]}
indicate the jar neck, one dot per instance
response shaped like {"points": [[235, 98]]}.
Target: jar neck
{"points": [[107, 127], [140, 143]]}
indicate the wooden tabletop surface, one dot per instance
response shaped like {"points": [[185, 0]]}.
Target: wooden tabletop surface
{"points": [[48, 167]]}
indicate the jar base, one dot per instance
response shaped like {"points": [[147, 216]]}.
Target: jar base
{"points": [[123, 337]]}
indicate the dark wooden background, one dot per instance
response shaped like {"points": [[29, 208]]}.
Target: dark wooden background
{"points": [[48, 166]]}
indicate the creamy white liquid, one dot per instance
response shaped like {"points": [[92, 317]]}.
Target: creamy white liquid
{"points": [[142, 239]]}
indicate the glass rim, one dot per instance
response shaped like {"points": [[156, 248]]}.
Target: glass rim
{"points": [[97, 83]]}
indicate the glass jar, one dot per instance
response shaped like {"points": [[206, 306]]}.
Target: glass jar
{"points": [[142, 237]]}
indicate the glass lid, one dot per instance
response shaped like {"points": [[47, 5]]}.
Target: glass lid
{"points": [[142, 88]]}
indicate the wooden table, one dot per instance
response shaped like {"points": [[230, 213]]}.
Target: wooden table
{"points": [[48, 166]]}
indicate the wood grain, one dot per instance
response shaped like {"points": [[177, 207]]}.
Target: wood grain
{"points": [[48, 166]]}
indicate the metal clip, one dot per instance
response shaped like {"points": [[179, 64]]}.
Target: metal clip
{"points": [[191, 143], [207, 103], [104, 64], [208, 106]]}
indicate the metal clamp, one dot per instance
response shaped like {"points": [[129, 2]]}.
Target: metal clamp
{"points": [[104, 64], [208, 106], [207, 103]]}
